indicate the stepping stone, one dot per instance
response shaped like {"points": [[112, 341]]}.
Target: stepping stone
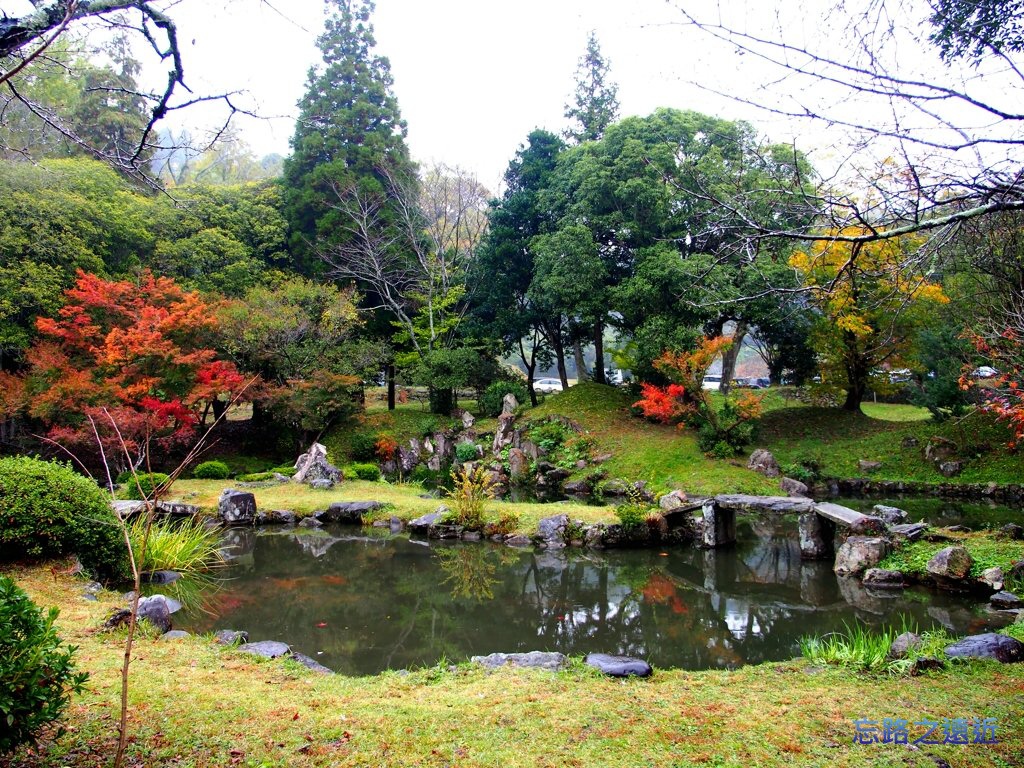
{"points": [[312, 664], [550, 661], [988, 646]]}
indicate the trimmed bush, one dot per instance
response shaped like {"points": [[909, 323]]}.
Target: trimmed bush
{"points": [[211, 470], [363, 446], [145, 486], [37, 676], [47, 510], [466, 452], [255, 477], [366, 471], [490, 401]]}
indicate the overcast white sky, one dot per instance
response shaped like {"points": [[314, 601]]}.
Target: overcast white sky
{"points": [[472, 77]]}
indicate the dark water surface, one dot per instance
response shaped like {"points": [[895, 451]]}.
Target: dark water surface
{"points": [[362, 603]]}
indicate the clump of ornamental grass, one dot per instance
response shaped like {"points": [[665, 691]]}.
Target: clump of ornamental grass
{"points": [[186, 547]]}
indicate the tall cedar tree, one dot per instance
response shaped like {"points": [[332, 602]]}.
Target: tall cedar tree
{"points": [[595, 104], [349, 133]]}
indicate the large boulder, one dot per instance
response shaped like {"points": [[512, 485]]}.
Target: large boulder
{"points": [[351, 512], [518, 464], [267, 649], [951, 563], [891, 515], [673, 500], [619, 666], [551, 531], [764, 462], [881, 578], [237, 507], [156, 610], [859, 553], [1006, 601], [903, 644], [988, 646], [422, 524], [792, 487], [313, 465], [505, 434]]}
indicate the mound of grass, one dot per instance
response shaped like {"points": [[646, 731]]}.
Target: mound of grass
{"points": [[986, 550], [187, 546]]}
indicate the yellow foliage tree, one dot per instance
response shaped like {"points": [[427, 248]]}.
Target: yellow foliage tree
{"points": [[873, 298]]}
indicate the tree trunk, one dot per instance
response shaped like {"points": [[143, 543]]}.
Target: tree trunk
{"points": [[531, 367], [856, 375], [581, 364], [730, 355], [560, 362], [219, 408], [390, 375], [599, 376]]}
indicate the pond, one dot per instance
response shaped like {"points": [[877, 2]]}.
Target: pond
{"points": [[976, 515], [362, 602]]}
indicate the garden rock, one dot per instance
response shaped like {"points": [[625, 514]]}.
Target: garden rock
{"points": [[909, 531], [551, 531], [619, 666], [444, 531], [859, 553], [577, 488], [422, 524], [551, 661], [880, 578], [468, 420], [156, 611], [951, 468], [993, 577], [1006, 601], [505, 434], [673, 500], [988, 646], [951, 563], [518, 464], [160, 577], [764, 462], [869, 466], [350, 512], [321, 484], [310, 522], [237, 507], [518, 540], [903, 644], [792, 487], [909, 442], [267, 649], [939, 449], [313, 466], [312, 664], [1012, 531], [891, 515], [175, 634], [231, 637], [614, 487], [276, 517]]}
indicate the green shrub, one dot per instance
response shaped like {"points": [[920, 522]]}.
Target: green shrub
{"points": [[145, 486], [284, 469], [365, 471], [47, 510], [490, 401], [632, 516], [548, 435], [362, 447], [425, 476], [466, 452], [211, 470], [37, 676], [255, 477], [187, 546]]}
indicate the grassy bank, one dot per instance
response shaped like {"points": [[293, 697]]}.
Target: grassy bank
{"points": [[197, 704]]}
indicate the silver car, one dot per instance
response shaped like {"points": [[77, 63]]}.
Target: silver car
{"points": [[547, 386]]}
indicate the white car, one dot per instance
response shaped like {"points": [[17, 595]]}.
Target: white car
{"points": [[984, 372], [547, 386], [712, 381]]}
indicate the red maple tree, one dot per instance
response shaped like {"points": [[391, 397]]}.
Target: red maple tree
{"points": [[135, 355]]}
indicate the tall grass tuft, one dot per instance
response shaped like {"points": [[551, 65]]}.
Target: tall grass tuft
{"points": [[186, 547], [858, 648]]}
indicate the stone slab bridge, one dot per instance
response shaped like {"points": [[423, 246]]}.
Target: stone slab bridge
{"points": [[818, 521]]}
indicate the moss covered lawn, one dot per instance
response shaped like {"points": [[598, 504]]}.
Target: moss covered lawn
{"points": [[195, 704]]}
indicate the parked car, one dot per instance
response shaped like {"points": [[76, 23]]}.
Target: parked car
{"points": [[712, 381], [547, 386], [984, 372]]}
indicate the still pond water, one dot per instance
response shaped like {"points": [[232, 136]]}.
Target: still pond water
{"points": [[361, 603]]}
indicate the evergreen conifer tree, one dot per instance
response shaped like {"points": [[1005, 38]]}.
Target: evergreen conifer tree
{"points": [[595, 104]]}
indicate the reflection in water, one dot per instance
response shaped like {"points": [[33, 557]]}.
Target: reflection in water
{"points": [[360, 604]]}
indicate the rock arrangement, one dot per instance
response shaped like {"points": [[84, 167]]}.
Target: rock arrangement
{"points": [[315, 470]]}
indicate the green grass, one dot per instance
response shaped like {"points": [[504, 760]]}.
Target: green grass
{"points": [[986, 550], [865, 650], [895, 412], [200, 705], [836, 440], [187, 546]]}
